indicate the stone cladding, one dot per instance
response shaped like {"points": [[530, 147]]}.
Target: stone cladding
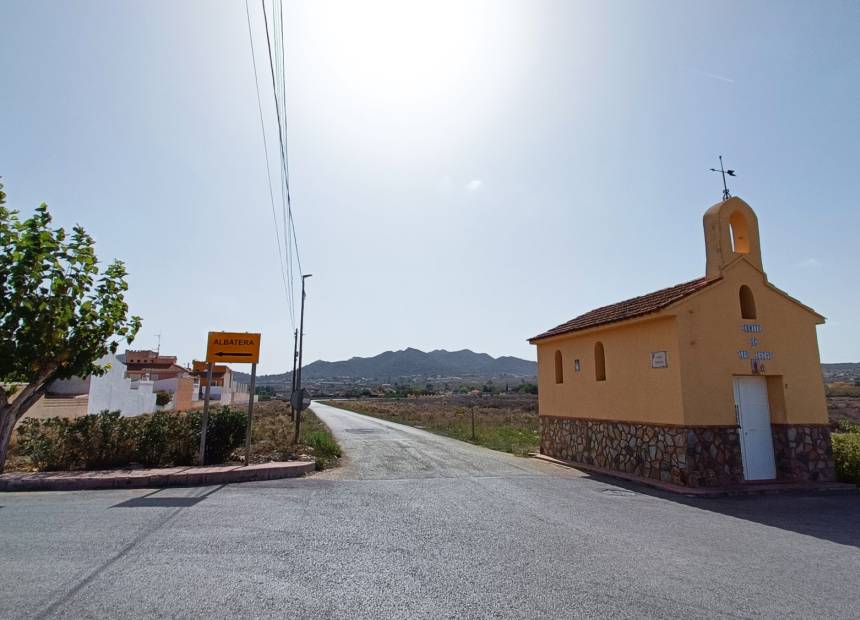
{"points": [[803, 452], [689, 456]]}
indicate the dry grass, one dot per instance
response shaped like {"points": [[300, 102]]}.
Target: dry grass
{"points": [[273, 431], [508, 423], [843, 408]]}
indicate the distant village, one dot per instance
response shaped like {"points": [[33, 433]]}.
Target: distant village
{"points": [[137, 382]]}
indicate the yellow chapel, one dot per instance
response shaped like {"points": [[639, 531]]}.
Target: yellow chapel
{"points": [[712, 382]]}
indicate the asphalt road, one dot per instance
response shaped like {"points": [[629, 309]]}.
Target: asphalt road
{"points": [[415, 525]]}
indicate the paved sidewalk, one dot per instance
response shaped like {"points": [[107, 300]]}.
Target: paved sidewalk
{"points": [[161, 477]]}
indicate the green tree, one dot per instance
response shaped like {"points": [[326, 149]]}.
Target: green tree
{"points": [[59, 314]]}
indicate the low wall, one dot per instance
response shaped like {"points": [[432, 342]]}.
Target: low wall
{"points": [[58, 408]]}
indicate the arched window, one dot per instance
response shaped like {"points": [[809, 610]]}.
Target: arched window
{"points": [[599, 362], [559, 369], [747, 303], [740, 233]]}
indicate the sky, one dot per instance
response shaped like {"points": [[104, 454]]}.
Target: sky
{"points": [[463, 174]]}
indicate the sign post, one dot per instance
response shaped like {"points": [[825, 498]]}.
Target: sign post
{"points": [[223, 347], [250, 413], [204, 420]]}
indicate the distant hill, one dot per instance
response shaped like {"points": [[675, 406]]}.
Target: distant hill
{"points": [[410, 363]]}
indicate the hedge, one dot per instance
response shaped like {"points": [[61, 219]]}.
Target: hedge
{"points": [[108, 439], [846, 454]]}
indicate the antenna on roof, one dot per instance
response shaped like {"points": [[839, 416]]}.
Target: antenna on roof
{"points": [[158, 349], [724, 172]]}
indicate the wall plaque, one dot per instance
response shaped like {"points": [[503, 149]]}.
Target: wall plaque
{"points": [[659, 359]]}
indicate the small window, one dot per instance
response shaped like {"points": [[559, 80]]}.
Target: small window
{"points": [[740, 233], [559, 369], [747, 303], [577, 366], [599, 362]]}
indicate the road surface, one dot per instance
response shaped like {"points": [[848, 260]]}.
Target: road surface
{"points": [[419, 526]]}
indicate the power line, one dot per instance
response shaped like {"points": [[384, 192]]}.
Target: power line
{"points": [[282, 136], [287, 290]]}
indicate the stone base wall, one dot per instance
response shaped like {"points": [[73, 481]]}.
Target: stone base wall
{"points": [[689, 456], [803, 452], [714, 456]]}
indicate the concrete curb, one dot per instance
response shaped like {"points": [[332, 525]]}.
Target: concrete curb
{"points": [[146, 478], [751, 488]]}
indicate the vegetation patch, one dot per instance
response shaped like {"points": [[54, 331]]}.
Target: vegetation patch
{"points": [[169, 439], [274, 430], [846, 452], [108, 440], [508, 423]]}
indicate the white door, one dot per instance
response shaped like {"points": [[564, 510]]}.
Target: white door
{"points": [[754, 419]]}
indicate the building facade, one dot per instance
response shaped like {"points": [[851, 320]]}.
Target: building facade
{"points": [[711, 382], [112, 391]]}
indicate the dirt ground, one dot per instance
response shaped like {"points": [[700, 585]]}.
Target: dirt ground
{"points": [[843, 408]]}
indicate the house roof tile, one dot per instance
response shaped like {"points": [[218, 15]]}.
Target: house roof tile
{"points": [[630, 308]]}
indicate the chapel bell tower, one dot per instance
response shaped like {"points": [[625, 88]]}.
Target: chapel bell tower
{"points": [[731, 231]]}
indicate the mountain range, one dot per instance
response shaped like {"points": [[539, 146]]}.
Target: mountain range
{"points": [[409, 363]]}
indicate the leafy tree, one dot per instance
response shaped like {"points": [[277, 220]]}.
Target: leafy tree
{"points": [[59, 314]]}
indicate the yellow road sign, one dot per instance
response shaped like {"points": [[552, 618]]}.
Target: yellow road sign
{"points": [[233, 347]]}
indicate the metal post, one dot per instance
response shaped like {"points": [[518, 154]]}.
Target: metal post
{"points": [[204, 422], [726, 195], [298, 413], [472, 409], [250, 413], [295, 359]]}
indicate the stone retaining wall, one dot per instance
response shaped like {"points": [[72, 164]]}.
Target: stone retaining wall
{"points": [[803, 452]]}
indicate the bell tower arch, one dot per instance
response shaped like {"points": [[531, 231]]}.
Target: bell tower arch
{"points": [[731, 231]]}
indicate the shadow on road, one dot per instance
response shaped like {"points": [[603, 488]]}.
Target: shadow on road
{"points": [[834, 517]]}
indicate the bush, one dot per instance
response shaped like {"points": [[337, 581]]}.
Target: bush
{"points": [[846, 454], [162, 398], [107, 439], [225, 432]]}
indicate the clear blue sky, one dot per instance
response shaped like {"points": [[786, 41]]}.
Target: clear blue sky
{"points": [[464, 174]]}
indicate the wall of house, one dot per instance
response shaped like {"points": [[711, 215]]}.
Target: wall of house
{"points": [[711, 333], [114, 392], [75, 386], [180, 388], [633, 391]]}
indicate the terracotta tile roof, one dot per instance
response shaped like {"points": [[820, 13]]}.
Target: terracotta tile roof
{"points": [[631, 308]]}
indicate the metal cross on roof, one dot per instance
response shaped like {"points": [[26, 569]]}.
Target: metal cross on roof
{"points": [[724, 172]]}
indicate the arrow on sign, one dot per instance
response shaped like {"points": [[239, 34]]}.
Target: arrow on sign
{"points": [[222, 354]]}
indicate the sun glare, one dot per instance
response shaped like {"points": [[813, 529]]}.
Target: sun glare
{"points": [[401, 52]]}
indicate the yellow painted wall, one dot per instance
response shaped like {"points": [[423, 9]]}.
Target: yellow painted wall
{"points": [[710, 335], [703, 334], [632, 391]]}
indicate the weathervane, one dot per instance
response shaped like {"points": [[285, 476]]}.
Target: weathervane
{"points": [[724, 172]]}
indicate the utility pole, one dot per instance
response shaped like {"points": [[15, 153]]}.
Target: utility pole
{"points": [[297, 393], [293, 376]]}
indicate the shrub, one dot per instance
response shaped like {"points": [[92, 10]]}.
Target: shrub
{"points": [[847, 426], [162, 398], [165, 439], [225, 432], [846, 454], [109, 440]]}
